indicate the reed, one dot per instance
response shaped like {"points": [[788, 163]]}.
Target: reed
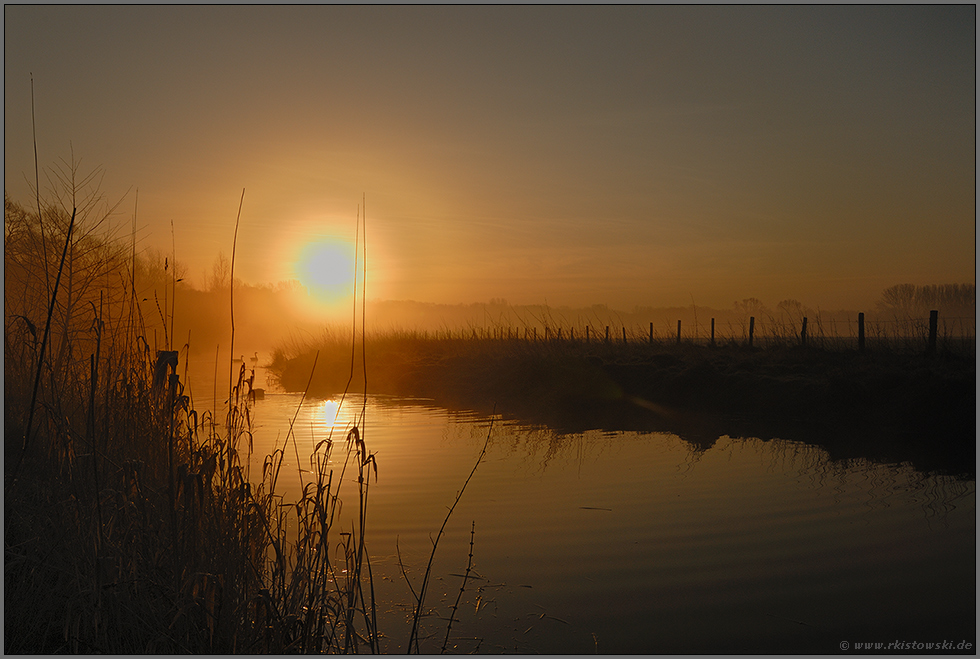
{"points": [[462, 589], [413, 640], [133, 523]]}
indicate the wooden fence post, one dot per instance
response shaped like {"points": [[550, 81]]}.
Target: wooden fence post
{"points": [[861, 331], [712, 332], [607, 333], [933, 331], [678, 332], [803, 334], [586, 333], [624, 333], [651, 332], [751, 329]]}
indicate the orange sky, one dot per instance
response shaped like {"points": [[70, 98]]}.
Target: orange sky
{"points": [[563, 155]]}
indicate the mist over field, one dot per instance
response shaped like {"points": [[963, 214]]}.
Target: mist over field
{"points": [[286, 314]]}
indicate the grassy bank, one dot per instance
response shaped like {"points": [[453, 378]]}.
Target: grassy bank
{"points": [[133, 523], [891, 402]]}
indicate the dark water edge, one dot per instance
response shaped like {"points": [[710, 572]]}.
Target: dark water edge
{"points": [[885, 406]]}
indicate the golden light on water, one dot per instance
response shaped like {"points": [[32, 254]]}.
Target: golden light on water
{"points": [[329, 413]]}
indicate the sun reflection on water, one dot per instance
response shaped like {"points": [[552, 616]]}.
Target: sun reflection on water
{"points": [[329, 414]]}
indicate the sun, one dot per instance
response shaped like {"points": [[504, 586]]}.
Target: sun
{"points": [[326, 268]]}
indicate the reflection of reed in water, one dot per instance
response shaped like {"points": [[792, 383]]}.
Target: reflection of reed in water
{"points": [[944, 495], [859, 481], [853, 483]]}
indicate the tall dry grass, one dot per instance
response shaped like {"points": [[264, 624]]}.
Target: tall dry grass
{"points": [[132, 521]]}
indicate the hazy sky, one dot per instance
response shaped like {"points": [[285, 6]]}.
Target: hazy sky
{"points": [[569, 155]]}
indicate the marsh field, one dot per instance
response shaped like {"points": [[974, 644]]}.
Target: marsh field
{"points": [[545, 487]]}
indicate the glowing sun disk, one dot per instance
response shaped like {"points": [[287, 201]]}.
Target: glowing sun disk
{"points": [[326, 269]]}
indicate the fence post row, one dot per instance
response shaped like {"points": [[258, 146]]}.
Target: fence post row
{"points": [[549, 335]]}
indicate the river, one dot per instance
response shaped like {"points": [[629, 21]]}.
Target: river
{"points": [[628, 542]]}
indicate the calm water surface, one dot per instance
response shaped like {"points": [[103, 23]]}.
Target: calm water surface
{"points": [[636, 543]]}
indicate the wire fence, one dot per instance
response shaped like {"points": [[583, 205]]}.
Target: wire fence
{"points": [[936, 333]]}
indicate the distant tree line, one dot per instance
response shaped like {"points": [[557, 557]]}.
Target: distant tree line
{"points": [[912, 300]]}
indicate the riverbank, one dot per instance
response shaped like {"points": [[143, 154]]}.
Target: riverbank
{"points": [[883, 405], [132, 523]]}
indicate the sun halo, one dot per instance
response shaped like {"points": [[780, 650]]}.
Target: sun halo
{"points": [[325, 268]]}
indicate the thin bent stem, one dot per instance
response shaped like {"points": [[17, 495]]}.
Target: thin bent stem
{"points": [[44, 342], [231, 295], [414, 639], [37, 192], [462, 587]]}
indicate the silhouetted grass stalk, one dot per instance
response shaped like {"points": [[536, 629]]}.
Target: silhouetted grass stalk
{"points": [[44, 343], [462, 588], [163, 543], [413, 640], [231, 299]]}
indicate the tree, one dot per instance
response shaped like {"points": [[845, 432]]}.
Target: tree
{"points": [[155, 271], [751, 306], [899, 298], [220, 273], [912, 300]]}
